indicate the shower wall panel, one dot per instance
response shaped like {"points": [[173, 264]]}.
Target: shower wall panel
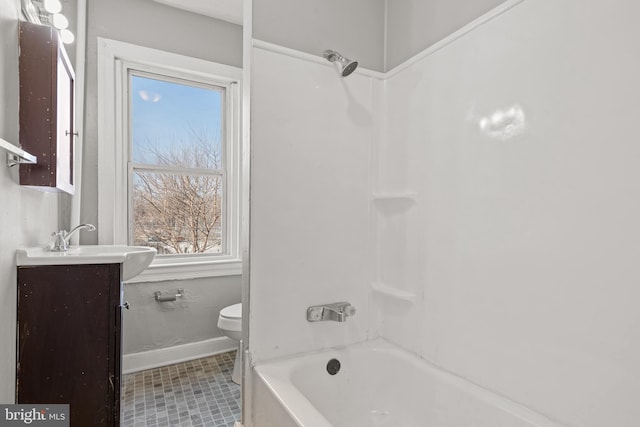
{"points": [[310, 177], [519, 140]]}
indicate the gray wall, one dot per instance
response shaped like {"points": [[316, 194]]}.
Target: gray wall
{"points": [[27, 216], [69, 9], [148, 325], [414, 25], [355, 27], [150, 24]]}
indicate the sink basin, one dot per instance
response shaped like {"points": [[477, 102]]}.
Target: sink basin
{"points": [[134, 259]]}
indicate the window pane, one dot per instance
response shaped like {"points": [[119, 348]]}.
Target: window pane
{"points": [[175, 124], [177, 214]]}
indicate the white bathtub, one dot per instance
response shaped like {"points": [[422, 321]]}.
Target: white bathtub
{"points": [[378, 385]]}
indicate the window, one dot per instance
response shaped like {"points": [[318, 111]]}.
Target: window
{"points": [[169, 159], [176, 184]]}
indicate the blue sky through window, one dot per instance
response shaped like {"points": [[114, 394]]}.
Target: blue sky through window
{"points": [[166, 115]]}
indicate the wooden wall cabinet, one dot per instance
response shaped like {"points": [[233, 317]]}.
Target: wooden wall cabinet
{"points": [[46, 109], [69, 340]]}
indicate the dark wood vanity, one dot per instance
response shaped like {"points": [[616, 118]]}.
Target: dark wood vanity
{"points": [[69, 340]]}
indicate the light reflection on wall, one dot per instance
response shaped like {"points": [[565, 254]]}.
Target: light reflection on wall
{"points": [[504, 124]]}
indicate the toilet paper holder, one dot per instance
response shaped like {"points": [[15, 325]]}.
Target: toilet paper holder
{"points": [[160, 297]]}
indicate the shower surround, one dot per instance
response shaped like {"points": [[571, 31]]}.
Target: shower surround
{"points": [[476, 204]]}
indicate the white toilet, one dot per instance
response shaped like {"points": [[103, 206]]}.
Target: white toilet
{"points": [[230, 324]]}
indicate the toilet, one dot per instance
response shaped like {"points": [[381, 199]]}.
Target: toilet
{"points": [[230, 324]]}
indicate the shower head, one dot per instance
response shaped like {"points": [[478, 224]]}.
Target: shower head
{"points": [[345, 65]]}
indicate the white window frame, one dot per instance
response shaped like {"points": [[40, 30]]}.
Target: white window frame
{"points": [[115, 61]]}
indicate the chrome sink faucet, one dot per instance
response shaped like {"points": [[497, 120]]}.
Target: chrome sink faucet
{"points": [[61, 243], [337, 312]]}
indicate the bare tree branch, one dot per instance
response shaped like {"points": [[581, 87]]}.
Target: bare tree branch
{"points": [[180, 213]]}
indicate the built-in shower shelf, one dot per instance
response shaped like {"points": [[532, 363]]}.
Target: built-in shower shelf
{"points": [[393, 203], [394, 293], [394, 197]]}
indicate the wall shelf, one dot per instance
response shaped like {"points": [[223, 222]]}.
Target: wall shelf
{"points": [[16, 155], [393, 293], [391, 197], [393, 203]]}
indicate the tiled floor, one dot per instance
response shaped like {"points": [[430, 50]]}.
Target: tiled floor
{"points": [[187, 394]]}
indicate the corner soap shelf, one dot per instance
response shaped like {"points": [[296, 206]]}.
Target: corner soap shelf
{"points": [[393, 203], [406, 196], [393, 293]]}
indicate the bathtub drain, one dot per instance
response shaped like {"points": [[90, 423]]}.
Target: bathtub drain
{"points": [[333, 366]]}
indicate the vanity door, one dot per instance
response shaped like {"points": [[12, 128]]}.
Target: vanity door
{"points": [[69, 340]]}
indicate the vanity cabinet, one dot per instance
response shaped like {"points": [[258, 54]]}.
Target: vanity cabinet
{"points": [[46, 109], [69, 340]]}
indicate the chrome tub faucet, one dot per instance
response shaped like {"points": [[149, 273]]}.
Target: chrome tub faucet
{"points": [[61, 243], [336, 312]]}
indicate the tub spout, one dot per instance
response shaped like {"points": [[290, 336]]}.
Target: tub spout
{"points": [[336, 312]]}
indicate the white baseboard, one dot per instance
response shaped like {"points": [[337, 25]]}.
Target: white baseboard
{"points": [[135, 362]]}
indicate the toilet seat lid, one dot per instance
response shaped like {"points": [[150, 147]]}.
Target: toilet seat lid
{"points": [[232, 312]]}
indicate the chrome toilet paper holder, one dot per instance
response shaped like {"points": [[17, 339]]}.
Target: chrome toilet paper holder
{"points": [[168, 297]]}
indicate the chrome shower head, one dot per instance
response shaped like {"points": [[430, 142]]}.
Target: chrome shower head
{"points": [[345, 65]]}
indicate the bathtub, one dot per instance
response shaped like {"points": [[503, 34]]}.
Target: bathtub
{"points": [[377, 385]]}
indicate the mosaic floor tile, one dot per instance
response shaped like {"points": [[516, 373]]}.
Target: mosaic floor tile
{"points": [[188, 394]]}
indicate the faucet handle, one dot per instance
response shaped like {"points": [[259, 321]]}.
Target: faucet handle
{"points": [[314, 314], [60, 244], [59, 235], [349, 310], [338, 312]]}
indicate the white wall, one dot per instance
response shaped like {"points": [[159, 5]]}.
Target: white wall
{"points": [[28, 216], [523, 251], [355, 28], [311, 139], [148, 325]]}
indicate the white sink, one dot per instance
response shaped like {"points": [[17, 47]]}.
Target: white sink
{"points": [[134, 259]]}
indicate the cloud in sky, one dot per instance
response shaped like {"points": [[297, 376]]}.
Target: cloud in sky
{"points": [[149, 96]]}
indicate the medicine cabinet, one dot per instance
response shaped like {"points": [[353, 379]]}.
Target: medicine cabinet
{"points": [[46, 109]]}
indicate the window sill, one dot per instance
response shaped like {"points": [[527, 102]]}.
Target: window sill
{"points": [[161, 270]]}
